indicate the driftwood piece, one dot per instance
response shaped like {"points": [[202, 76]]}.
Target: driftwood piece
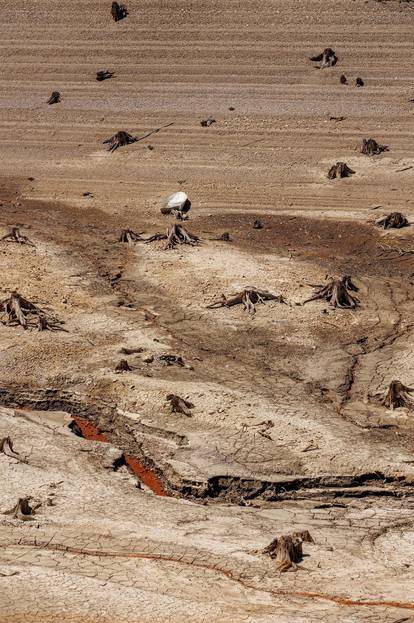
{"points": [[248, 297], [287, 550], [120, 139], [55, 98], [370, 147], [206, 123], [179, 405], [104, 74], [340, 169], [328, 58], [118, 11], [336, 293], [395, 220], [177, 234], [398, 395], [359, 82], [22, 510], [129, 236], [14, 235], [123, 366], [19, 310]]}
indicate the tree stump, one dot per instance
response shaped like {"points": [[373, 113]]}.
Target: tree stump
{"points": [[287, 550], [120, 139], [395, 220], [55, 98], [370, 147], [118, 11], [24, 313], [328, 58], [179, 405], [398, 395], [177, 234], [22, 510], [104, 74], [248, 297], [123, 366], [336, 293], [14, 235], [258, 224], [343, 79], [359, 82], [338, 170]]}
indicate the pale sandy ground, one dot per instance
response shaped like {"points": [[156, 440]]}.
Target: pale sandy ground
{"points": [[106, 550]]}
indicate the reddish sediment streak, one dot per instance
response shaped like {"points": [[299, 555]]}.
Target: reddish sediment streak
{"points": [[90, 432]]}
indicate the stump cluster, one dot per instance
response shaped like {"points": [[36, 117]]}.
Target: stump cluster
{"points": [[338, 170], [337, 293], [398, 395], [120, 139], [179, 405], [248, 297], [19, 311], [370, 147], [328, 58], [395, 220], [287, 550], [118, 11]]}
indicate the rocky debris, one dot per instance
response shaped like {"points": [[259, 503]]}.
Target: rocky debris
{"points": [[104, 74], [23, 312], [129, 236], [118, 11], [395, 220], [55, 98], [120, 139], [328, 58], [340, 169], [287, 550], [207, 122], [248, 297], [336, 293], [123, 366], [177, 203], [22, 510], [370, 147], [398, 395], [179, 405], [14, 235]]}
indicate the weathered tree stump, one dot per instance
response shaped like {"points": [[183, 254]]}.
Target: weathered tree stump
{"points": [[179, 405], [328, 58], [359, 82], [55, 98], [287, 550], [129, 236], [123, 366], [336, 293], [258, 224], [340, 169], [398, 395], [177, 234], [14, 235], [104, 74], [120, 139], [22, 510], [207, 122], [248, 297], [370, 147], [118, 11], [24, 313], [395, 220]]}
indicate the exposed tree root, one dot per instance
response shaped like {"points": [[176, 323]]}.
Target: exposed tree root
{"points": [[340, 169], [247, 297], [22, 510], [395, 220], [370, 147], [123, 366], [398, 395], [129, 236], [288, 550], [120, 139], [336, 293], [177, 234], [180, 405], [156, 237], [225, 237], [14, 235], [55, 98], [207, 122], [328, 58], [118, 11], [104, 74], [21, 311]]}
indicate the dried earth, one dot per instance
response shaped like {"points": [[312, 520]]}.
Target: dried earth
{"points": [[155, 516]]}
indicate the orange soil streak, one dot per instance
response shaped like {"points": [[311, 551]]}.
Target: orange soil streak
{"points": [[90, 432], [341, 601]]}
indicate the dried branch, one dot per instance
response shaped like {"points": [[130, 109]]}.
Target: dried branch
{"points": [[338, 170], [23, 312], [370, 147], [104, 74], [288, 550], [398, 395], [248, 297], [120, 139], [179, 405], [328, 58], [336, 293], [395, 220], [177, 234], [14, 235], [22, 510], [55, 98], [118, 11]]}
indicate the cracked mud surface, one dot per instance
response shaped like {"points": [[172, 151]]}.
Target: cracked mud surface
{"points": [[155, 516]]}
